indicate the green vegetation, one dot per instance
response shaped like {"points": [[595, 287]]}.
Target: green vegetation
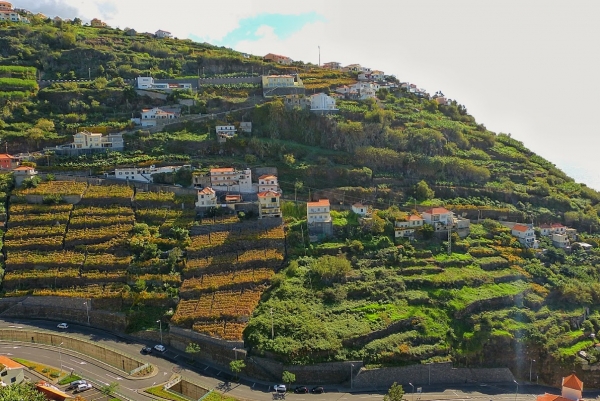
{"points": [[159, 391], [22, 391], [365, 294], [68, 379]]}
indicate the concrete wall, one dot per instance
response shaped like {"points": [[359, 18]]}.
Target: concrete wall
{"points": [[422, 375], [189, 389], [111, 357], [229, 80]]}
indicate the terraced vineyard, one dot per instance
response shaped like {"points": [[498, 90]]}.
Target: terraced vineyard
{"points": [[55, 247], [225, 274]]}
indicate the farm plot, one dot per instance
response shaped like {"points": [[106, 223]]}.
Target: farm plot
{"points": [[193, 287]]}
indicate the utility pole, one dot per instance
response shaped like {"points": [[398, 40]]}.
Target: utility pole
{"points": [[89, 74], [319, 56], [449, 240]]}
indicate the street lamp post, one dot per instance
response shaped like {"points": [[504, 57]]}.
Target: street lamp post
{"points": [[351, 371], [413, 391], [530, 366], [87, 311], [517, 392], [60, 356], [160, 330], [235, 350]]}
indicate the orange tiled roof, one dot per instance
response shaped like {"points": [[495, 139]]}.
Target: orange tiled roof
{"points": [[9, 363], [358, 204], [573, 382], [207, 191], [320, 202], [414, 217], [521, 227], [550, 397], [437, 210], [557, 225], [23, 168], [268, 194], [5, 156], [267, 176], [221, 170]]}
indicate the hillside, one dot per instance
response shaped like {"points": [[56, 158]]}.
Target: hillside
{"points": [[365, 293]]}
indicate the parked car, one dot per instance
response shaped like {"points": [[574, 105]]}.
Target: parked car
{"points": [[301, 390], [279, 388], [83, 387], [160, 348], [73, 385], [146, 350], [63, 326], [317, 390]]}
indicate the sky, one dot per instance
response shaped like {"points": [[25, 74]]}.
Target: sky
{"points": [[528, 68]]}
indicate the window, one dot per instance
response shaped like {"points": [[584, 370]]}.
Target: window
{"points": [[273, 200], [13, 379], [4, 373]]}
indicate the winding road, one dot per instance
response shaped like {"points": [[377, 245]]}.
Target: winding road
{"points": [[212, 378]]}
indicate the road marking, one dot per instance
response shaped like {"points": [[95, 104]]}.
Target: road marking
{"points": [[164, 373], [11, 347], [219, 373], [67, 367], [206, 368], [253, 384], [79, 362], [116, 378], [5, 353]]}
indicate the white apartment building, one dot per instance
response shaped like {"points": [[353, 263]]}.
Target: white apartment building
{"points": [[268, 204], [225, 131], [318, 212], [231, 180], [525, 235], [407, 228]]}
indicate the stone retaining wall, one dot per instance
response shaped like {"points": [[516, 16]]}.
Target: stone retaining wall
{"points": [[421, 375]]}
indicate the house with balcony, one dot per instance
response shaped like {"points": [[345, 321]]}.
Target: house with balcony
{"points": [[440, 218], [277, 58], [322, 103], [230, 180], [207, 198], [268, 204], [86, 142], [225, 132], [150, 117], [23, 173], [525, 235], [318, 217], [11, 372], [561, 241], [406, 228], [268, 182]]}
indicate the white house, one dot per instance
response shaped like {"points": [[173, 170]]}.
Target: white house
{"points": [[11, 372], [407, 227], [150, 83], [162, 34], [151, 116], [225, 132], [360, 209], [22, 173], [438, 217], [268, 182], [207, 198], [318, 217], [228, 179], [143, 174], [526, 235], [93, 140], [320, 102], [268, 204], [572, 389], [377, 75]]}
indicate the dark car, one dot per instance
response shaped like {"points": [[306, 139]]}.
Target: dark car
{"points": [[147, 350], [301, 390], [317, 390]]}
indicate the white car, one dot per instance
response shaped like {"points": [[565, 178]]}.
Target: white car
{"points": [[83, 387], [279, 388], [160, 348], [63, 326]]}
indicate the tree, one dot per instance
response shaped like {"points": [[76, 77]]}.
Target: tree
{"points": [[23, 391], [109, 389], [192, 348], [395, 393], [423, 192], [288, 377], [237, 366]]}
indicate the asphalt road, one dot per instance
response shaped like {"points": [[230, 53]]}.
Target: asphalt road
{"points": [[210, 377]]}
